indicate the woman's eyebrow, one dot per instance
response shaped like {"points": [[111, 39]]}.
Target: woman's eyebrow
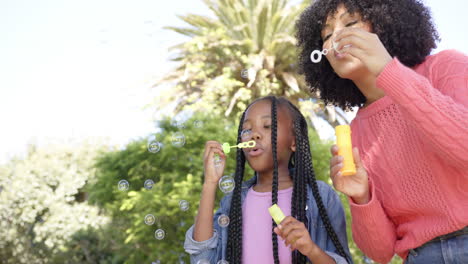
{"points": [[345, 13]]}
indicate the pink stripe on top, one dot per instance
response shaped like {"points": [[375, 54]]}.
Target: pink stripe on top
{"points": [[257, 246]]}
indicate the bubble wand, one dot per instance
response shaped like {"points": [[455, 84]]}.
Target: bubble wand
{"points": [[249, 144], [316, 55]]}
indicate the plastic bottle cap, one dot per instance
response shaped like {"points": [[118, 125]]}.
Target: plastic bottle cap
{"points": [[276, 214]]}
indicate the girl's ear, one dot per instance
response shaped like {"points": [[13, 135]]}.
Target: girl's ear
{"points": [[293, 145]]}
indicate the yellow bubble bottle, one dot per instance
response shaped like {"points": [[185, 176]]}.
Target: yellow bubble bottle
{"points": [[343, 140]]}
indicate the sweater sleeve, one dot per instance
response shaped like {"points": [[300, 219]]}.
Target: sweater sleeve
{"points": [[438, 108], [373, 231]]}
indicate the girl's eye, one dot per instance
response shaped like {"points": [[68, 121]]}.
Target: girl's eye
{"points": [[267, 126], [246, 134], [326, 37], [351, 23]]}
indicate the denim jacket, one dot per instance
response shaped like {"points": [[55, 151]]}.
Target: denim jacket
{"points": [[214, 249]]}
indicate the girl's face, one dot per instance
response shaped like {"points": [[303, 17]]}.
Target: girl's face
{"points": [[257, 126], [345, 65]]}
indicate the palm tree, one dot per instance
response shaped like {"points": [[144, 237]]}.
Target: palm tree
{"points": [[246, 51]]}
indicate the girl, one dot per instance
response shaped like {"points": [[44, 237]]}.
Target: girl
{"points": [[409, 195], [315, 229]]}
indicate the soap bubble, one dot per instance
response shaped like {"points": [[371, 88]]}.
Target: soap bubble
{"points": [[248, 73], [178, 139], [198, 124], [159, 234], [246, 134], [223, 220], [154, 146], [148, 184], [149, 219], [184, 205], [223, 262], [123, 185], [217, 160], [203, 261], [226, 184], [178, 123]]}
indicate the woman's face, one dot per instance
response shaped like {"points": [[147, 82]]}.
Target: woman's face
{"points": [[345, 65], [257, 126]]}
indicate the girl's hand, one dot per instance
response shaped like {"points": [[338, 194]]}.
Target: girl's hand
{"points": [[213, 173], [355, 186], [295, 234], [364, 46]]}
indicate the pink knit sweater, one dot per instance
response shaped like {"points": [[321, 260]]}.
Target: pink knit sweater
{"points": [[414, 146]]}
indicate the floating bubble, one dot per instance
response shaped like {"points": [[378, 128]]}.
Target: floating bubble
{"points": [[203, 261], [217, 160], [307, 207], [248, 73], [178, 139], [245, 73], [154, 146], [226, 184], [148, 184], [149, 219], [246, 134], [198, 124], [184, 205], [159, 234], [223, 262], [178, 123], [123, 185], [223, 220]]}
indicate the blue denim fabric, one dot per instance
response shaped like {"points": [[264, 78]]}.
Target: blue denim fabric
{"points": [[453, 250], [214, 249]]}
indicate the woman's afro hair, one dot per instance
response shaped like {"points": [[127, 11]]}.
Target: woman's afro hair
{"points": [[404, 27]]}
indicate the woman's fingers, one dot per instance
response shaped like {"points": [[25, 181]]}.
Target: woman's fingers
{"points": [[356, 32], [357, 158], [346, 43], [335, 171], [334, 150]]}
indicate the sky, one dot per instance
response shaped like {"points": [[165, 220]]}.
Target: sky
{"points": [[71, 70]]}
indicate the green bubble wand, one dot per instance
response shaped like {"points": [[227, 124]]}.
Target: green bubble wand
{"points": [[249, 144]]}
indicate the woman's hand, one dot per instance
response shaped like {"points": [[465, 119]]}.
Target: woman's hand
{"points": [[355, 186], [365, 46], [295, 234], [213, 173]]}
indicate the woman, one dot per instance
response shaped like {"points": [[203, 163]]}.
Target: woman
{"points": [[409, 195]]}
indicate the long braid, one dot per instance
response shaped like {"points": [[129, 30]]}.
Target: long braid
{"points": [[300, 185], [311, 180], [274, 196], [304, 173], [295, 207], [234, 246]]}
